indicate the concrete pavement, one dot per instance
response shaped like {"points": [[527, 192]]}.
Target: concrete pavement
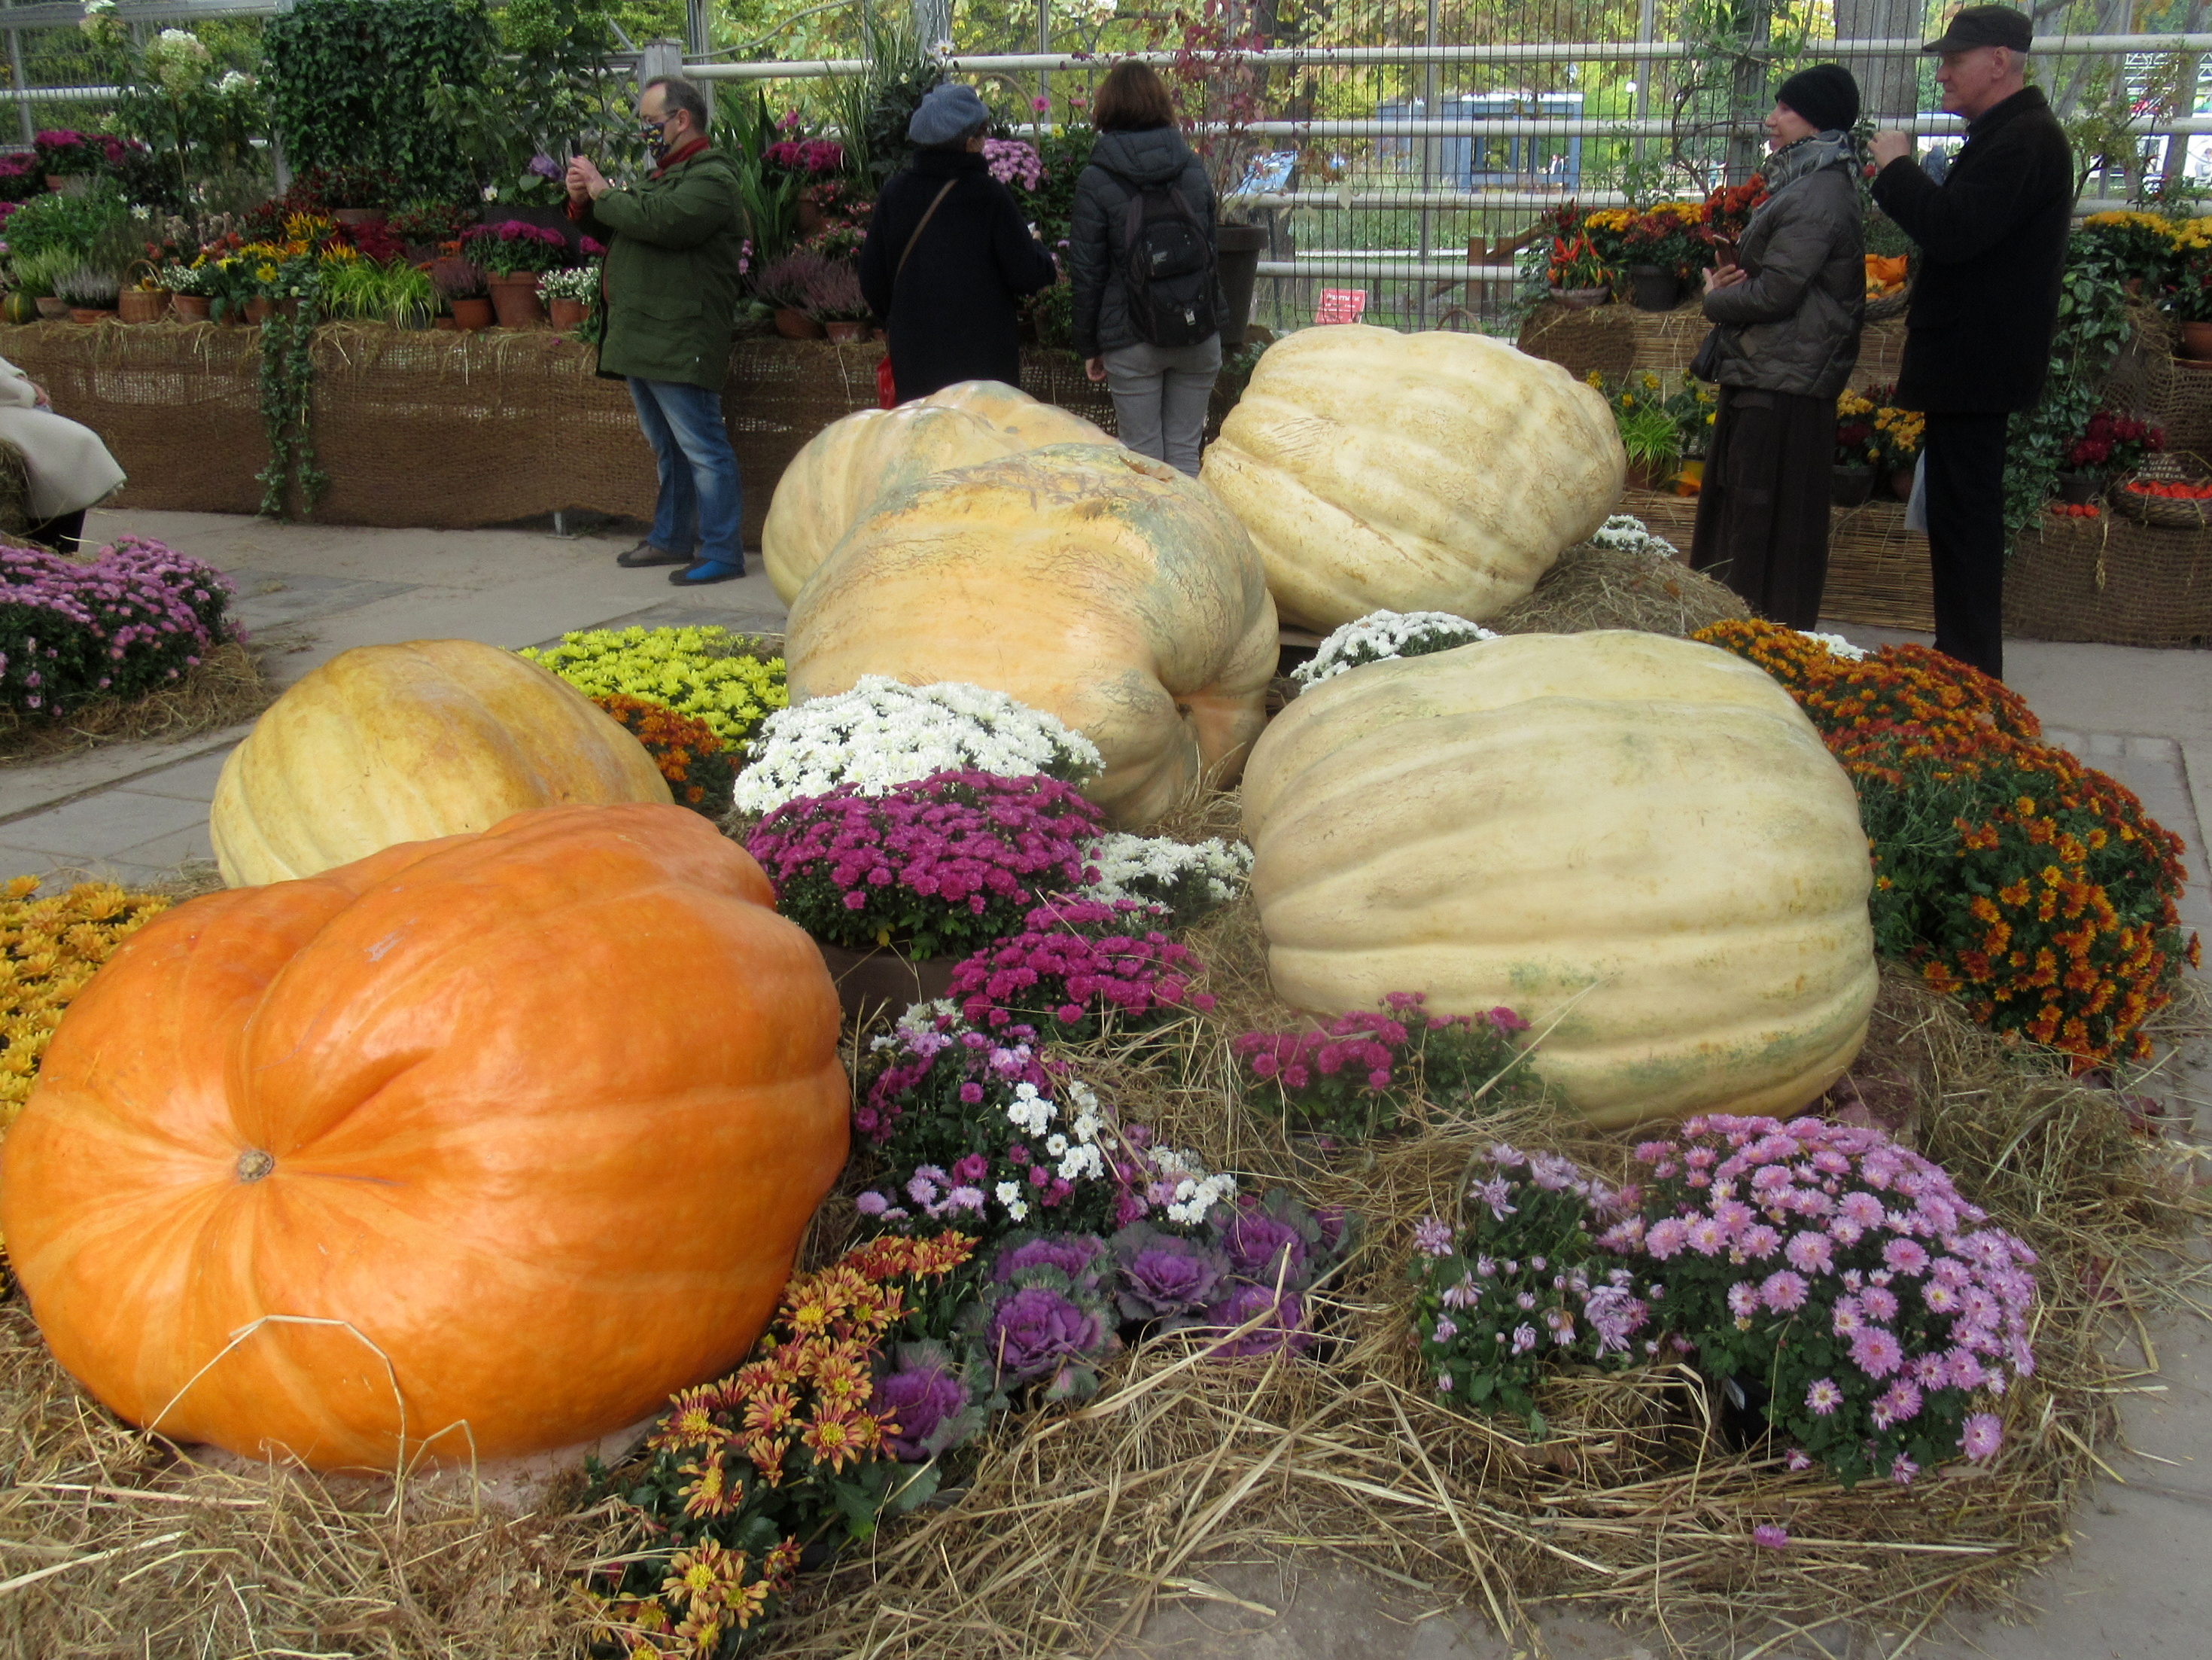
{"points": [[2135, 1585]]}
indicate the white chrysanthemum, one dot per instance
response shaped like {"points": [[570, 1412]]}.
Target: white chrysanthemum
{"points": [[1383, 634], [1838, 646], [1154, 870], [883, 732], [1626, 533]]}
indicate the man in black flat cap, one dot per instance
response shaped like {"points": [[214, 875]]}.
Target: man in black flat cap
{"points": [[1992, 241]]}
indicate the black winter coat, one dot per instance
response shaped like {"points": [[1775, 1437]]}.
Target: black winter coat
{"points": [[953, 317], [1122, 164], [1992, 241], [1794, 325]]}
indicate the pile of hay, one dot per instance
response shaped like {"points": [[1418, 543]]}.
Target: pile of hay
{"points": [[226, 689], [1589, 587], [1073, 1525]]}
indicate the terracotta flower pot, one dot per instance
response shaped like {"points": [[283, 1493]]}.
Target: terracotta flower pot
{"points": [[515, 299], [258, 311], [846, 331], [50, 308], [1900, 483], [569, 314], [2079, 489], [68, 183], [2197, 341], [358, 216], [472, 313], [190, 307], [795, 325], [90, 315], [139, 306], [810, 215]]}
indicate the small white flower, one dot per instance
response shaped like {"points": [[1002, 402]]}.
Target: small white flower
{"points": [[1626, 533], [491, 192], [1838, 646], [1056, 1145], [1009, 1192], [1383, 634]]}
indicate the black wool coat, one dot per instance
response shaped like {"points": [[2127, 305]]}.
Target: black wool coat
{"points": [[1992, 241], [953, 316]]}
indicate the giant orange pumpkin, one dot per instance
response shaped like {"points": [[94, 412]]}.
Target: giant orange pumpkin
{"points": [[487, 1143]]}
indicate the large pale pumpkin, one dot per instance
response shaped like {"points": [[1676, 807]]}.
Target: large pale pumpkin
{"points": [[1385, 472], [851, 463], [516, 1131], [390, 744], [1638, 837], [1084, 580]]}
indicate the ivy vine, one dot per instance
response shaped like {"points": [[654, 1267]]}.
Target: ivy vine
{"points": [[288, 386], [2093, 324], [347, 83]]}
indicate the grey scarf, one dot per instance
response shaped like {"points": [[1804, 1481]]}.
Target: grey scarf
{"points": [[1807, 155]]}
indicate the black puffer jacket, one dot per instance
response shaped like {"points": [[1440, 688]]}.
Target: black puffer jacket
{"points": [[1122, 164], [1794, 327]]}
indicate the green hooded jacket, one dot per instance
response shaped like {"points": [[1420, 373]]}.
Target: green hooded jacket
{"points": [[669, 290]]}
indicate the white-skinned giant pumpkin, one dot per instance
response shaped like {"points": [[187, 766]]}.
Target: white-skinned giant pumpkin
{"points": [[852, 462], [1084, 580], [1639, 843], [1384, 472]]}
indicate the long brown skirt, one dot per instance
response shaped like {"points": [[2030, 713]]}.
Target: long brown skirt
{"points": [[1763, 505]]}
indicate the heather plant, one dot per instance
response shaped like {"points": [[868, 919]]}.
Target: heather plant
{"points": [[938, 866], [138, 617], [1518, 1287], [1363, 1072], [1840, 1277], [1075, 967]]}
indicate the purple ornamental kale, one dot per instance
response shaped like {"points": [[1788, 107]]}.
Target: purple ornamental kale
{"points": [[1258, 1245], [1165, 1276], [1077, 1256], [928, 1399], [1284, 1329], [1034, 1332]]}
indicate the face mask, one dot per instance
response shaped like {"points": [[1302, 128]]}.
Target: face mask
{"points": [[655, 134]]}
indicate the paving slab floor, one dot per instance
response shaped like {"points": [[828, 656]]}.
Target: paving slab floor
{"points": [[2137, 1584]]}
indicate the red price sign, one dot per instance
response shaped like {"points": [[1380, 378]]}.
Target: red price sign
{"points": [[1341, 306]]}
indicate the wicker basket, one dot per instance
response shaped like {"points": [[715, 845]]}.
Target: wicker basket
{"points": [[1880, 311], [2162, 511]]}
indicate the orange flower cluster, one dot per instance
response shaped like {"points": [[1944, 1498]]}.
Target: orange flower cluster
{"points": [[797, 1409], [694, 760], [2034, 888]]}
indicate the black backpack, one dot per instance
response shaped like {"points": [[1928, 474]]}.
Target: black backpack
{"points": [[1170, 269]]}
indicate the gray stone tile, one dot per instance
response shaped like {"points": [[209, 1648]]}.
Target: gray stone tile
{"points": [[168, 851], [269, 598], [2104, 744], [189, 780], [102, 826]]}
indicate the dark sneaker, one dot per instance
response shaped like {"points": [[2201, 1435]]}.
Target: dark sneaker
{"points": [[645, 553]]}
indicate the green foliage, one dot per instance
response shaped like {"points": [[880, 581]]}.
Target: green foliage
{"points": [[398, 294], [1050, 207], [350, 81], [288, 384], [744, 129], [552, 95], [871, 109], [75, 224], [177, 96], [2093, 325]]}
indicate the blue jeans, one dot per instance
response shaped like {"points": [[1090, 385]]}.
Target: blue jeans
{"points": [[700, 504]]}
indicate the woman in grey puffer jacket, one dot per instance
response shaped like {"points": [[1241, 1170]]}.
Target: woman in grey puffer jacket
{"points": [[1160, 392], [1789, 316]]}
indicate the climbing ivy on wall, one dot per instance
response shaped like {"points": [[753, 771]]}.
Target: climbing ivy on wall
{"points": [[347, 80]]}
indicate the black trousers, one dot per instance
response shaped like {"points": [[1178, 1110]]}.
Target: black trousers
{"points": [[1763, 509], [1966, 536], [61, 532]]}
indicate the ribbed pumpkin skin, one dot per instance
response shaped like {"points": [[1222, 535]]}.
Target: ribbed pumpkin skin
{"points": [[851, 463], [1514, 821], [1385, 472], [391, 743], [1084, 580], [549, 1109]]}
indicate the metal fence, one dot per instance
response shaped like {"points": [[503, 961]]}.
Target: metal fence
{"points": [[1393, 147]]}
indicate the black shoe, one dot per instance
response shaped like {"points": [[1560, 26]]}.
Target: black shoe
{"points": [[645, 553], [698, 577]]}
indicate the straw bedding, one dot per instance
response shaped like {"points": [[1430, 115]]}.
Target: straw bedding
{"points": [[227, 687]]}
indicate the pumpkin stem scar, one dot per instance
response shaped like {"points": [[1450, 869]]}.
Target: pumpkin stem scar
{"points": [[253, 1164]]}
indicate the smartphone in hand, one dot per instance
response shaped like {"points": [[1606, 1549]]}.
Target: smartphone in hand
{"points": [[1724, 250]]}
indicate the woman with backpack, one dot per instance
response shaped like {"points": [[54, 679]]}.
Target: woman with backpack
{"points": [[947, 255], [1140, 257]]}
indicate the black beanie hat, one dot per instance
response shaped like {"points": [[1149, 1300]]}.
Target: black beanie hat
{"points": [[1825, 95]]}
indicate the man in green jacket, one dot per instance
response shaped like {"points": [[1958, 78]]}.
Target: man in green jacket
{"points": [[668, 294]]}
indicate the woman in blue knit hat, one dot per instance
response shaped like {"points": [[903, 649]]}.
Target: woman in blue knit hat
{"points": [[948, 257], [1788, 315]]}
